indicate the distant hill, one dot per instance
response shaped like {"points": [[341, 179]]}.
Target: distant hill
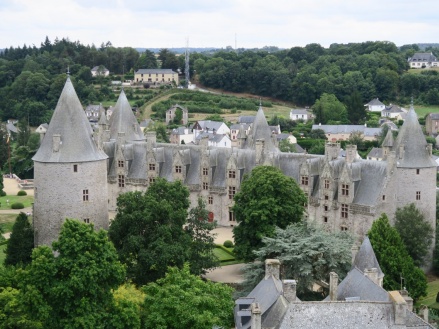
{"points": [[179, 50], [423, 46]]}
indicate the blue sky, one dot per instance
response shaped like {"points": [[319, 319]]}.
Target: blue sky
{"points": [[208, 23]]}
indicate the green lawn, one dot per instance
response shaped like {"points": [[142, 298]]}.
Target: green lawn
{"points": [[422, 111], [222, 255], [430, 299], [7, 221], [27, 200]]}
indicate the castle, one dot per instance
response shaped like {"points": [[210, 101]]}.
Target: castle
{"points": [[79, 173]]}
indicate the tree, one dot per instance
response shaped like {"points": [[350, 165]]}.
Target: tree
{"points": [[286, 146], [328, 109], [148, 230], [395, 262], [162, 135], [416, 233], [317, 134], [178, 116], [146, 61], [199, 228], [356, 138], [74, 288], [267, 199], [21, 242], [355, 107], [307, 253], [181, 300]]}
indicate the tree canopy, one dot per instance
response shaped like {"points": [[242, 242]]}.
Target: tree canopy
{"points": [[267, 199], [148, 230], [329, 110], [181, 300], [416, 233], [395, 262], [307, 253]]}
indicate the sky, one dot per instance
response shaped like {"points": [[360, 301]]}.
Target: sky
{"points": [[218, 23]]}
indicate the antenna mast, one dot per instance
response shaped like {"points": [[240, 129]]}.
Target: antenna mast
{"points": [[186, 68]]}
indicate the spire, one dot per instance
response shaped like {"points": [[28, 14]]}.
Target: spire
{"points": [[388, 140], [102, 116], [69, 135], [366, 259], [261, 130], [123, 120], [411, 146]]}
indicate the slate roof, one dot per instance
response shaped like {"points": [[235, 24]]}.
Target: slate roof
{"points": [[69, 121], [375, 152], [208, 124], [300, 111], [366, 259], [215, 138], [374, 102], [412, 139], [123, 120], [248, 119], [388, 140], [434, 116], [373, 176], [392, 108], [155, 71], [423, 57], [347, 129], [261, 130]]}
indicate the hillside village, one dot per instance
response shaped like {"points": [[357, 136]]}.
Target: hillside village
{"points": [[89, 156]]}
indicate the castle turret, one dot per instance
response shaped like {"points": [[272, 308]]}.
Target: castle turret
{"points": [[260, 130], [387, 144], [70, 172]]}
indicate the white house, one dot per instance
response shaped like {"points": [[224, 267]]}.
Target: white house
{"points": [[100, 71], [180, 135], [393, 112], [214, 139], [423, 60], [300, 114], [375, 105], [210, 127]]}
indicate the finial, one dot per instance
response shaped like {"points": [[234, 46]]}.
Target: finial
{"points": [[68, 70], [411, 104]]}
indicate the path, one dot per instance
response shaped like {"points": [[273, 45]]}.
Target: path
{"points": [[11, 187]]}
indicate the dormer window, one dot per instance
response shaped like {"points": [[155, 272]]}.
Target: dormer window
{"points": [[232, 174], [345, 189], [326, 183], [152, 166], [304, 180], [205, 171], [178, 169], [120, 163]]}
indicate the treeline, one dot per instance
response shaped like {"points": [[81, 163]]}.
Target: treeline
{"points": [[303, 74]]}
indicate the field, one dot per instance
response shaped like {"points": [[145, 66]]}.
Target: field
{"points": [[7, 221], [27, 201], [422, 111]]}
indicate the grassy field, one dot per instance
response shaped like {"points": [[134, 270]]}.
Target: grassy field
{"points": [[422, 111], [418, 71], [7, 221], [27, 201], [430, 299]]}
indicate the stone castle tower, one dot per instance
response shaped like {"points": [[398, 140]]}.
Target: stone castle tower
{"points": [[70, 172]]}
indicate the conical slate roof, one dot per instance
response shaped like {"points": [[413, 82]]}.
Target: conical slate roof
{"points": [[388, 140], [415, 151], [261, 130], [123, 120], [69, 121], [366, 259], [102, 116]]}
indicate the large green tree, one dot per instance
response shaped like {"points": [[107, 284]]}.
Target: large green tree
{"points": [[267, 199], [21, 242], [415, 232], [355, 107], [181, 300], [148, 230], [328, 109], [201, 256], [70, 286], [308, 254], [395, 262]]}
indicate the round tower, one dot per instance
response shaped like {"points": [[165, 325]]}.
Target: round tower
{"points": [[70, 172]]}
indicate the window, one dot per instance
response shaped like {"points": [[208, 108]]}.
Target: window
{"points": [[232, 174], [152, 166], [84, 195], [75, 168], [418, 171], [326, 197], [205, 186], [344, 210], [326, 183], [151, 180], [120, 163], [231, 216], [205, 171], [232, 191], [210, 200], [418, 195], [384, 197], [178, 169], [121, 180], [304, 180], [345, 189], [325, 219], [87, 220], [343, 228], [326, 208]]}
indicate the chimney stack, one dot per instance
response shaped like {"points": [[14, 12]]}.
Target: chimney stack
{"points": [[56, 142], [354, 252], [372, 273], [256, 316], [272, 267], [333, 285], [289, 290]]}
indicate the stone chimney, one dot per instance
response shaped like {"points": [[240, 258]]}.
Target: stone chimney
{"points": [[354, 252], [430, 149], [120, 138], [256, 316], [56, 142], [423, 312], [272, 267], [332, 150], [404, 293], [289, 290], [399, 307], [391, 162], [372, 273], [204, 142], [351, 153], [333, 285], [151, 139]]}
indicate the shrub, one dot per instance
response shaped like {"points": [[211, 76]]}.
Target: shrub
{"points": [[437, 298], [21, 193], [228, 244], [17, 205], [2, 193]]}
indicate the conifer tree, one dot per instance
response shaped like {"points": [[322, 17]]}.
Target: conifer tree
{"points": [[395, 262], [21, 242]]}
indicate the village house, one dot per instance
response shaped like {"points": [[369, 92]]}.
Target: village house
{"points": [[300, 114], [170, 114], [432, 124], [100, 71], [423, 60], [156, 76], [336, 133], [214, 139], [208, 126], [181, 135], [393, 112], [375, 105]]}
